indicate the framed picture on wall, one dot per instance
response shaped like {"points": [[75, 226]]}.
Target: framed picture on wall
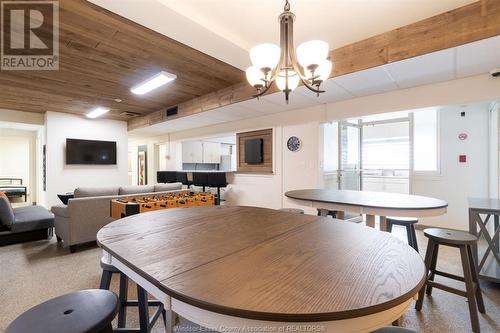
{"points": [[142, 168]]}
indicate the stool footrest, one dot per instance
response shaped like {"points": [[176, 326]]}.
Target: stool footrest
{"points": [[446, 288], [449, 276], [135, 302]]}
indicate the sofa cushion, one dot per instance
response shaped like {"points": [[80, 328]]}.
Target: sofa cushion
{"points": [[168, 187], [136, 189], [6, 212], [85, 192], [31, 218]]}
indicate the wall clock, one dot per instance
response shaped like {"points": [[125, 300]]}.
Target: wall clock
{"points": [[293, 143]]}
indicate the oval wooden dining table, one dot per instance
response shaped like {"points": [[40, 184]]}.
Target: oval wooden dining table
{"points": [[248, 269], [372, 204]]}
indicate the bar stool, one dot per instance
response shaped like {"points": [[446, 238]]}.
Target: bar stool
{"points": [[292, 210], [464, 242], [86, 311], [217, 180], [409, 224], [166, 177], [145, 321], [200, 179], [182, 177]]}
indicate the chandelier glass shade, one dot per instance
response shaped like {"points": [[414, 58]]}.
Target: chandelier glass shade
{"points": [[287, 67]]}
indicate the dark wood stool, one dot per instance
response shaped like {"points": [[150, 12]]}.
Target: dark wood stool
{"points": [[292, 210], [145, 321], [464, 242], [392, 329], [409, 224], [86, 311]]}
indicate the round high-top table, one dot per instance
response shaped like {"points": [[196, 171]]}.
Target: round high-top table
{"points": [[372, 204], [248, 269]]}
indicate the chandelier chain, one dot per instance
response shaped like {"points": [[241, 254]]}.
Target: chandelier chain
{"points": [[287, 6]]}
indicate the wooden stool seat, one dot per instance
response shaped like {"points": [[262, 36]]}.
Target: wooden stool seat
{"points": [[292, 210], [464, 242], [86, 311], [393, 329], [409, 224], [451, 237]]}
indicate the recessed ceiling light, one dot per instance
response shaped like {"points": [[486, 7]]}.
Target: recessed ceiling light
{"points": [[118, 100], [151, 84], [97, 112]]}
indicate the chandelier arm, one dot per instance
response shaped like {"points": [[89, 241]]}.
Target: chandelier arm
{"points": [[308, 86], [265, 90]]}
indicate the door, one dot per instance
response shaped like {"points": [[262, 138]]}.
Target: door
{"points": [[349, 175]]}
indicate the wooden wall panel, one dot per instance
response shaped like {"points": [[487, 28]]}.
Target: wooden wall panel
{"points": [[267, 165]]}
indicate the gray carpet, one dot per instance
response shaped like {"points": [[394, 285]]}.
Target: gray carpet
{"points": [[34, 272]]}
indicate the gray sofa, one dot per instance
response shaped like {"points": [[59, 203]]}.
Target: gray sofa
{"points": [[79, 221], [24, 223]]}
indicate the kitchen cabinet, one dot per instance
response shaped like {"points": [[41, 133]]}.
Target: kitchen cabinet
{"points": [[192, 152], [211, 152], [201, 152]]}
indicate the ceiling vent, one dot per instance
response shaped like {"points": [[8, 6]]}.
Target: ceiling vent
{"points": [[171, 111], [129, 114]]}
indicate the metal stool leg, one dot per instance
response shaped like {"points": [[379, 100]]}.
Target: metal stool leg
{"points": [[469, 287], [428, 258], [105, 279], [475, 278], [123, 297], [142, 298], [408, 235], [432, 267], [414, 236]]}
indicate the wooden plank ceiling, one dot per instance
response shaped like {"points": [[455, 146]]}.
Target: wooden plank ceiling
{"points": [[466, 24], [103, 55]]}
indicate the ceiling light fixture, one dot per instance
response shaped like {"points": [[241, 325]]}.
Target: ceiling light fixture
{"points": [[97, 112], [155, 82], [309, 65]]}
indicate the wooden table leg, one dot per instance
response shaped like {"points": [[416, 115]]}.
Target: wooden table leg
{"points": [[370, 221], [383, 223], [340, 215]]}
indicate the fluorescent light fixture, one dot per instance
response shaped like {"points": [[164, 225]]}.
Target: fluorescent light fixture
{"points": [[97, 112], [151, 84]]}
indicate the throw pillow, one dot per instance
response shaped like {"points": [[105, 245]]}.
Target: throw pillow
{"points": [[6, 212]]}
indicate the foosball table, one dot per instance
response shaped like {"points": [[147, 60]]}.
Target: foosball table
{"points": [[146, 203]]}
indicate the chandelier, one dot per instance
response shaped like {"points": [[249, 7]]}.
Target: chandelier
{"points": [[281, 64]]}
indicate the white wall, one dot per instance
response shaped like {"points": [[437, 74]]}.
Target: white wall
{"points": [[458, 181], [62, 178], [18, 158]]}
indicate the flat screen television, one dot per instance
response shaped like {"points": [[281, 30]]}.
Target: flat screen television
{"points": [[254, 151], [90, 152]]}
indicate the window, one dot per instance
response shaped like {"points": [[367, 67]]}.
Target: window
{"points": [[425, 141], [386, 146]]}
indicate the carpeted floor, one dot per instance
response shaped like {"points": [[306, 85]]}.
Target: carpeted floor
{"points": [[34, 272]]}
